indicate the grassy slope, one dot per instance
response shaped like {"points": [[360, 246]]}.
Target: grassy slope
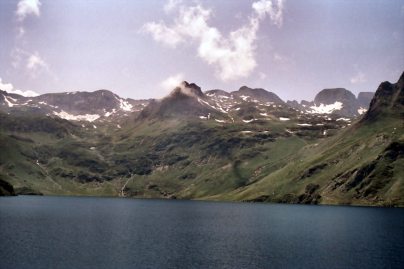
{"points": [[208, 160], [344, 155], [215, 158]]}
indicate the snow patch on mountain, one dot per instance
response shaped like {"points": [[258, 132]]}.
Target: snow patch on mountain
{"points": [[87, 117], [343, 119], [362, 110], [9, 103], [109, 113], [124, 105], [326, 109]]}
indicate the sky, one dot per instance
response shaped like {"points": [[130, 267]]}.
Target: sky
{"points": [[143, 49]]}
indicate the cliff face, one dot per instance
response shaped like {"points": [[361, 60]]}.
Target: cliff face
{"points": [[387, 101]]}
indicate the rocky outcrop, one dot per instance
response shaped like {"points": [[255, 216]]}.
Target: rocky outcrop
{"points": [[185, 101], [6, 189], [387, 101]]}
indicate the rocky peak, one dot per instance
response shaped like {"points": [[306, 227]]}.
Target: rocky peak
{"points": [[388, 99], [330, 96], [188, 89], [344, 101], [259, 94], [185, 101]]}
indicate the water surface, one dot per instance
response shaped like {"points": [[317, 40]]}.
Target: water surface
{"points": [[84, 232]]}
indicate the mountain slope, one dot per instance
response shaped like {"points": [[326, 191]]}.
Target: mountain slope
{"points": [[213, 145], [337, 101], [361, 165], [186, 100], [77, 106]]}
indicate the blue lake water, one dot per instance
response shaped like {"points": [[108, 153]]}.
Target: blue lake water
{"points": [[84, 232]]}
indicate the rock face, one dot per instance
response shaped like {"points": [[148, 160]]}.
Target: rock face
{"points": [[329, 96], [6, 189], [388, 100], [342, 98], [257, 94]]}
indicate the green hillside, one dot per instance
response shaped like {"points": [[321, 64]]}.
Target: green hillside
{"points": [[165, 153]]}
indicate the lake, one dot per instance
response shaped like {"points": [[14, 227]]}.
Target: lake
{"points": [[87, 232]]}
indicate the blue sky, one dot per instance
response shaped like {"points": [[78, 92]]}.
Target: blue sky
{"points": [[140, 49]]}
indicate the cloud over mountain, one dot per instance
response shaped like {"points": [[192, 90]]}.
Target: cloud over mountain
{"points": [[172, 81], [8, 87]]}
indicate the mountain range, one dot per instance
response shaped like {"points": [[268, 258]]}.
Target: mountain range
{"points": [[245, 145]]}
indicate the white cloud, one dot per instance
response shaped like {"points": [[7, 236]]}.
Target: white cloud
{"points": [[262, 75], [171, 5], [26, 8], [33, 63], [8, 87], [233, 57], [275, 12], [172, 81], [163, 34], [358, 78]]}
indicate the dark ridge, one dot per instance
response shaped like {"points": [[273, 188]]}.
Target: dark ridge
{"points": [[388, 100]]}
